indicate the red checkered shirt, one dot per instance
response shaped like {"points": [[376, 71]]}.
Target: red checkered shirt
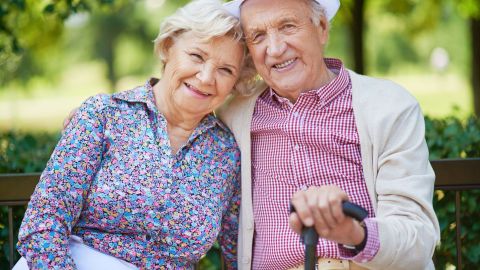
{"points": [[312, 142]]}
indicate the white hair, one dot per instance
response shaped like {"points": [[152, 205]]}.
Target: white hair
{"points": [[317, 12], [207, 19]]}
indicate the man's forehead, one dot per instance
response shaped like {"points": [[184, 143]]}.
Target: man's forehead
{"points": [[255, 14], [329, 7], [276, 21], [270, 4]]}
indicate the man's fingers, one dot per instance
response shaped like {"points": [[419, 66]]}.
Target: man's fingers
{"points": [[295, 223], [325, 209], [337, 211], [299, 201], [320, 207]]}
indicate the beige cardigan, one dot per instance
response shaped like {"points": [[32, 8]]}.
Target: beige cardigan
{"points": [[395, 162]]}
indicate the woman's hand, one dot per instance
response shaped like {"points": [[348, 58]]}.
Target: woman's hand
{"points": [[67, 120]]}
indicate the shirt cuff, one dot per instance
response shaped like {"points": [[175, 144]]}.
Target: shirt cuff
{"points": [[371, 247]]}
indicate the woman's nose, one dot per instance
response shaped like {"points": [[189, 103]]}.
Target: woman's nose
{"points": [[206, 75]]}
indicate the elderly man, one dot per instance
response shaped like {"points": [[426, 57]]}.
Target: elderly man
{"points": [[320, 134]]}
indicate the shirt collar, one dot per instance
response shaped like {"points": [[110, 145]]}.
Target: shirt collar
{"points": [[140, 94], [144, 94], [327, 92]]}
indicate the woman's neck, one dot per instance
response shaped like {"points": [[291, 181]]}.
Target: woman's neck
{"points": [[180, 124], [174, 116]]}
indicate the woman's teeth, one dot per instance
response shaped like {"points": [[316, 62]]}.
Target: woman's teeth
{"points": [[196, 90]]}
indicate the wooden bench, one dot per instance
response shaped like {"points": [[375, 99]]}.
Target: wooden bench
{"points": [[451, 174]]}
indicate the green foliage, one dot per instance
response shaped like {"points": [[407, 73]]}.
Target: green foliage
{"points": [[469, 8], [20, 153], [454, 138], [31, 31], [17, 212], [25, 153]]}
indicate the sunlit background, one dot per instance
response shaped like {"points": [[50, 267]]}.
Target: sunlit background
{"points": [[56, 53], [61, 56]]}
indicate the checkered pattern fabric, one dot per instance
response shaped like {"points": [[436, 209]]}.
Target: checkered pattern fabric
{"points": [[311, 142]]}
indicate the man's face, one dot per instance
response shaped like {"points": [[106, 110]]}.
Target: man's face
{"points": [[286, 46]]}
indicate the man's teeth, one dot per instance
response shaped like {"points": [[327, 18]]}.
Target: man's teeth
{"points": [[284, 64]]}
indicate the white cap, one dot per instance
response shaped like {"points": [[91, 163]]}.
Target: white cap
{"points": [[330, 6]]}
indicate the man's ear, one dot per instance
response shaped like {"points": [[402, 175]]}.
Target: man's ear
{"points": [[323, 29]]}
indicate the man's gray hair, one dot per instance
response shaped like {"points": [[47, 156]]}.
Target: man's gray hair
{"points": [[317, 11], [207, 19]]}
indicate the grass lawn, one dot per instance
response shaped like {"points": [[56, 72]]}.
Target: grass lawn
{"points": [[43, 107], [439, 95]]}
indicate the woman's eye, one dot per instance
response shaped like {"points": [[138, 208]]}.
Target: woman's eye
{"points": [[196, 56]]}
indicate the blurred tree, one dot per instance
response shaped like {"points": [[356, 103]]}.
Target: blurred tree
{"points": [[31, 34], [109, 26], [30, 29], [354, 16], [470, 9], [414, 17]]}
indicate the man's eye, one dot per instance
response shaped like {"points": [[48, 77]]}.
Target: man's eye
{"points": [[227, 70], [256, 38], [288, 27]]}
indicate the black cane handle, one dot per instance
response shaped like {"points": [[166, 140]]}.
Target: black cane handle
{"points": [[349, 209], [354, 210], [310, 235]]}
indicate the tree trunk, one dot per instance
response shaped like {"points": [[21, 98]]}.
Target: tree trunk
{"points": [[475, 32], [357, 28]]}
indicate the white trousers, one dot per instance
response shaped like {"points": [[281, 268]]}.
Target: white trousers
{"points": [[87, 258]]}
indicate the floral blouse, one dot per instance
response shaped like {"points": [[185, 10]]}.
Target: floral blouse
{"points": [[114, 181]]}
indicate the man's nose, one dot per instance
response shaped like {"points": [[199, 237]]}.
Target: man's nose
{"points": [[276, 45]]}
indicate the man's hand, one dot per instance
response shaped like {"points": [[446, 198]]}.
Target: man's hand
{"points": [[321, 207], [69, 118]]}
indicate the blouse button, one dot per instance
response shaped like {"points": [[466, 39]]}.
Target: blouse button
{"points": [[148, 237]]}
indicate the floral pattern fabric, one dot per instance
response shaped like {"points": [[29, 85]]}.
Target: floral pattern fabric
{"points": [[113, 181]]}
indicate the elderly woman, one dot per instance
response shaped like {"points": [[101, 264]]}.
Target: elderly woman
{"points": [[148, 177]]}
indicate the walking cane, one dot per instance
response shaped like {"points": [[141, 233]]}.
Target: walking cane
{"points": [[310, 235]]}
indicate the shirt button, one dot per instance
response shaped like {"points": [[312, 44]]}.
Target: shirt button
{"points": [[296, 147]]}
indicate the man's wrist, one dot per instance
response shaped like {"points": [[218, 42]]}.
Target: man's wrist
{"points": [[359, 248]]}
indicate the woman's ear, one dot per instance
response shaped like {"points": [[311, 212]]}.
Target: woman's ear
{"points": [[167, 45]]}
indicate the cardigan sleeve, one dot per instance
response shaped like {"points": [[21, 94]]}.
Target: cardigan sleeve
{"points": [[57, 200], [403, 182]]}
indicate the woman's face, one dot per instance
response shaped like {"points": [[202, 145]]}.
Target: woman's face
{"points": [[198, 74]]}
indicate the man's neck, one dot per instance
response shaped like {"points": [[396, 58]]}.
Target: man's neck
{"points": [[327, 77]]}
